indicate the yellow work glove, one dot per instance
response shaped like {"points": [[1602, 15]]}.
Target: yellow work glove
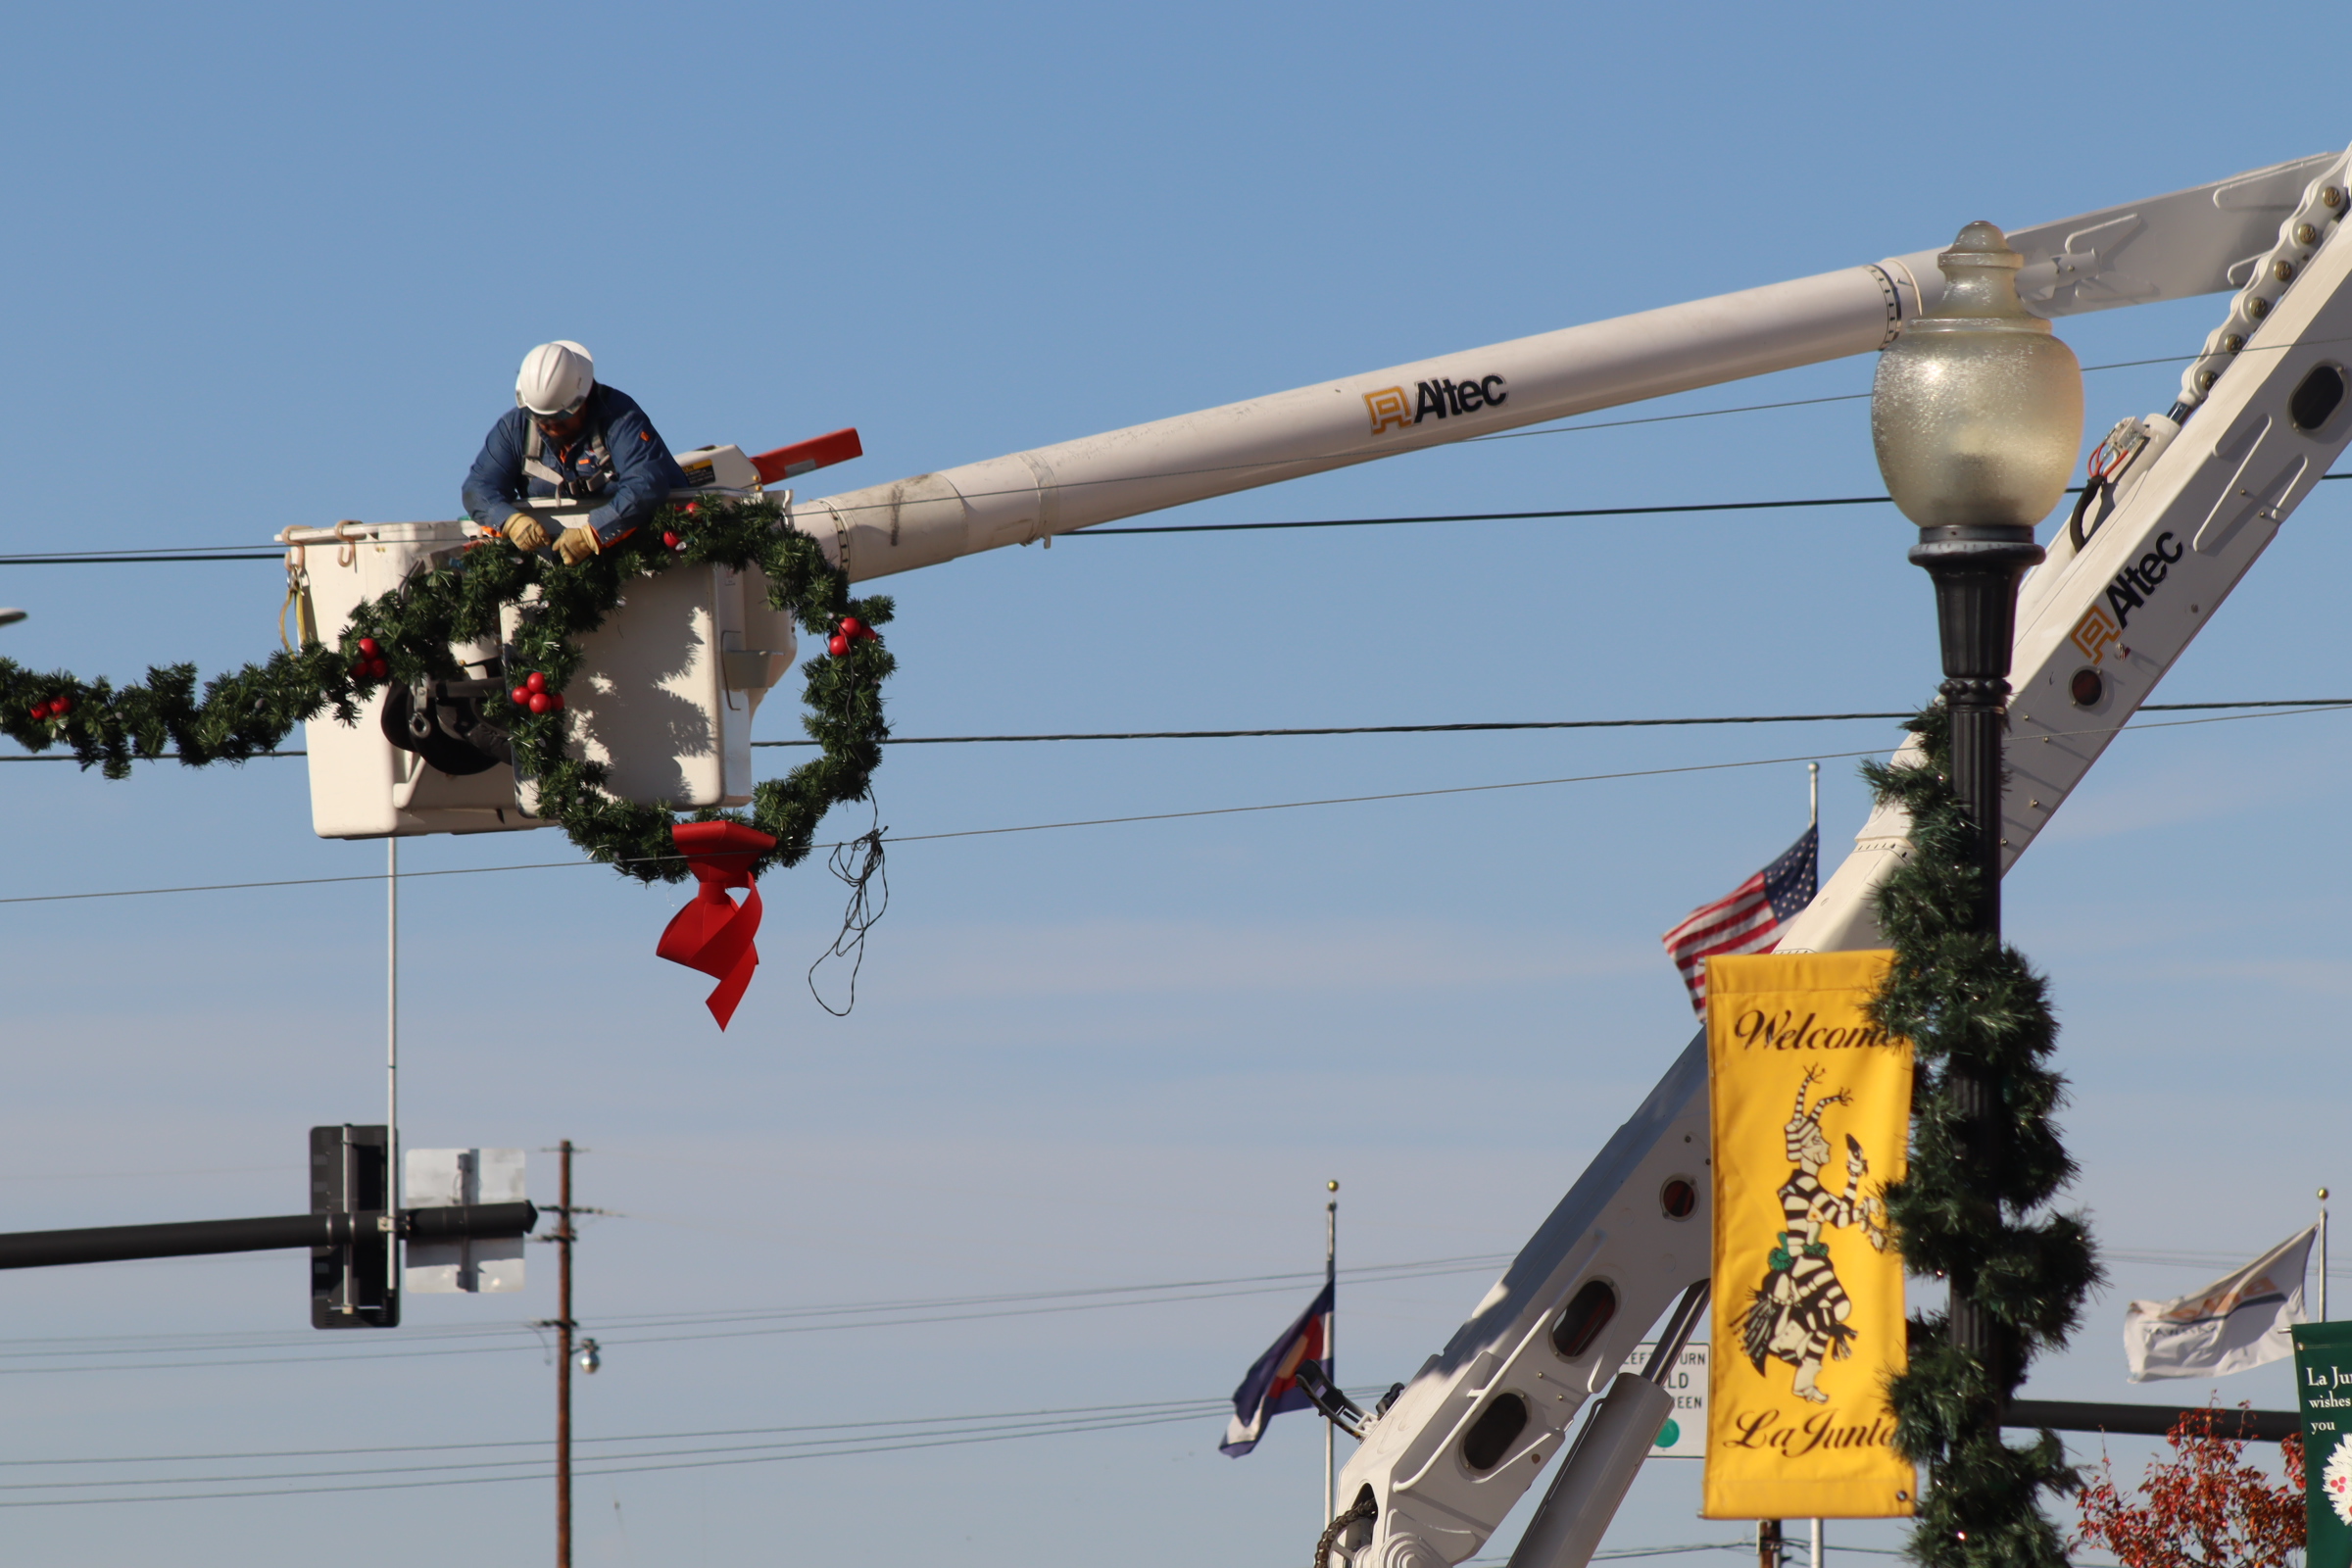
{"points": [[524, 530], [577, 545]]}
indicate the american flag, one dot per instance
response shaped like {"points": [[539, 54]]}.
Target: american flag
{"points": [[1746, 919]]}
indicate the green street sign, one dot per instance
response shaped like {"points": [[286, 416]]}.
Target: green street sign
{"points": [[2324, 1392]]}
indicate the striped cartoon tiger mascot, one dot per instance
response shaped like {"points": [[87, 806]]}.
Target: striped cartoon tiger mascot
{"points": [[1799, 1314]]}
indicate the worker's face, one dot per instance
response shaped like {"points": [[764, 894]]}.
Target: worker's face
{"points": [[562, 429]]}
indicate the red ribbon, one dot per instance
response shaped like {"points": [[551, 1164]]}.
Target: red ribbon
{"points": [[714, 933]]}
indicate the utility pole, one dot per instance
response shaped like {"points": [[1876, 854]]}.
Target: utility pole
{"points": [[562, 1238], [566, 1233]]}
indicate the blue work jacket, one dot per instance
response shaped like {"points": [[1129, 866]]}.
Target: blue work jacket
{"points": [[644, 474]]}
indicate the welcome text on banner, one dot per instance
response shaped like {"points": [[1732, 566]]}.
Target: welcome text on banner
{"points": [[1811, 1107]]}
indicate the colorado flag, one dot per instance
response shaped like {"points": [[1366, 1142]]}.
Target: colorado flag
{"points": [[1272, 1386]]}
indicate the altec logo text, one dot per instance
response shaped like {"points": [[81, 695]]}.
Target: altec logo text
{"points": [[2102, 626], [1392, 409]]}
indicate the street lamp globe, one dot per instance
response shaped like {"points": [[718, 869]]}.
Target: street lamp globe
{"points": [[1977, 411]]}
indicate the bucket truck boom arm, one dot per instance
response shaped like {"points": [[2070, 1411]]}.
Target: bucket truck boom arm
{"points": [[2191, 242], [2101, 623]]}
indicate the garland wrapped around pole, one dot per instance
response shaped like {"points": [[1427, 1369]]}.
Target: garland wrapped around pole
{"points": [[405, 637], [1975, 1009]]}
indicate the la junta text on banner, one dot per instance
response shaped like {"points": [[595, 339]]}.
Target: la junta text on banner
{"points": [[1811, 1106]]}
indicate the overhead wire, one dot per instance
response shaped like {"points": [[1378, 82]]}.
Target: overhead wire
{"points": [[200, 553], [1459, 727], [723, 1323], [604, 1465], [838, 1440], [583, 1440], [2328, 705]]}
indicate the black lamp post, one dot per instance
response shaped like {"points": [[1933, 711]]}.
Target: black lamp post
{"points": [[1977, 415]]}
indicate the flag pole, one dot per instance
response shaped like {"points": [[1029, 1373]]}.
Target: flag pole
{"points": [[1813, 778], [1331, 1283], [2323, 1255]]}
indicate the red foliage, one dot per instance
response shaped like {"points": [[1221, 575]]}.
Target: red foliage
{"points": [[2204, 1507]]}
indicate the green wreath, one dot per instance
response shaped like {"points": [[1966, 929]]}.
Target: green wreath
{"points": [[407, 634]]}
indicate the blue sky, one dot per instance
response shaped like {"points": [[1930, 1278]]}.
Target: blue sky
{"points": [[275, 266]]}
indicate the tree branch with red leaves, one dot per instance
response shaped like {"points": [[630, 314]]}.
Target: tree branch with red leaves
{"points": [[2203, 1507]]}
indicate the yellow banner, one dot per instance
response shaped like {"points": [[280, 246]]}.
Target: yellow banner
{"points": [[1811, 1111]]}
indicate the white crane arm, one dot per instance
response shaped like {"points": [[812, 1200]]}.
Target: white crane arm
{"points": [[2099, 623], [2167, 247]]}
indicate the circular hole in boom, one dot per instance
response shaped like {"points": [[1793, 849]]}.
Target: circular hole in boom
{"points": [[2087, 688], [1677, 1199]]}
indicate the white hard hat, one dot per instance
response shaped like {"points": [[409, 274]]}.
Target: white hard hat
{"points": [[555, 379]]}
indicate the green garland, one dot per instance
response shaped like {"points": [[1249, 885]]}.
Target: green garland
{"points": [[1972, 1006], [250, 712]]}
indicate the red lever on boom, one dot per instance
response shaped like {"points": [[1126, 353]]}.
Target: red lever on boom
{"points": [[802, 457]]}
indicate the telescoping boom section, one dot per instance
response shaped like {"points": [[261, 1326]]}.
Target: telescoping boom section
{"points": [[2166, 247]]}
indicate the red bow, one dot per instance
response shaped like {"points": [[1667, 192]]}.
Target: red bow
{"points": [[714, 933]]}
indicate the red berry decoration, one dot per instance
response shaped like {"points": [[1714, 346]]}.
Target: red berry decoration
{"points": [[693, 507], [851, 626], [534, 682], [555, 702], [672, 541], [60, 706], [370, 648], [41, 711], [521, 696], [542, 702], [838, 645]]}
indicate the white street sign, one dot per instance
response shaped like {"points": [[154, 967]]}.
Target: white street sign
{"points": [[437, 1178], [1685, 1435]]}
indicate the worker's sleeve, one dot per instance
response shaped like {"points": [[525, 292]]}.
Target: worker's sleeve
{"points": [[644, 474], [495, 484]]}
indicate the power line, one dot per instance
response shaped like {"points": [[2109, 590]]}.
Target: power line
{"points": [[1456, 728], [1528, 784], [955, 1427], [1512, 516], [998, 1416], [721, 1324], [91, 558], [2327, 706], [593, 1467], [1502, 724], [984, 832], [1480, 517]]}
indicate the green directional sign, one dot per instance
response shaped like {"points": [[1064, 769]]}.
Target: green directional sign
{"points": [[2324, 1392]]}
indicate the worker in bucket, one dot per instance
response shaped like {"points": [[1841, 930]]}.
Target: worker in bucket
{"points": [[570, 439]]}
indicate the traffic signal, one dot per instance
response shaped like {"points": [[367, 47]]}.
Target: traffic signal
{"points": [[354, 1284]]}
